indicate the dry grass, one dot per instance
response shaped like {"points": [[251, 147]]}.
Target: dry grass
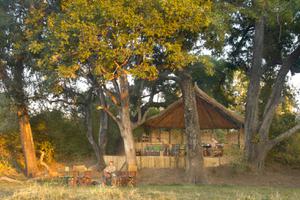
{"points": [[54, 191]]}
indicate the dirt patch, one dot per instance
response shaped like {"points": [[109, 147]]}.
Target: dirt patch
{"points": [[160, 176], [224, 175]]}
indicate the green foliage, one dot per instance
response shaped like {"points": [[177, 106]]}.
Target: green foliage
{"points": [[8, 116], [52, 130], [288, 153], [218, 81], [281, 31], [114, 140]]}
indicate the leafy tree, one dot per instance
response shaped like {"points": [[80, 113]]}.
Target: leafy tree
{"points": [[207, 36], [117, 39]]}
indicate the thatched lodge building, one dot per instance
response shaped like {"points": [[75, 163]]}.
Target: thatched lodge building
{"points": [[167, 128]]}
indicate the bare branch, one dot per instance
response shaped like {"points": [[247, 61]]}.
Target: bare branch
{"points": [[142, 120], [112, 115]]}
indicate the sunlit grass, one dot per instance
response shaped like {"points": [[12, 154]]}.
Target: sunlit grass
{"points": [[43, 191]]}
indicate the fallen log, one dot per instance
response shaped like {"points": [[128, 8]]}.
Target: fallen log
{"points": [[7, 179]]}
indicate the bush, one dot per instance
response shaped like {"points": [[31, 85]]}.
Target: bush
{"points": [[53, 131], [7, 162], [288, 152]]}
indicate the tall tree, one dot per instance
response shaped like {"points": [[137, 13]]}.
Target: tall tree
{"points": [[177, 66], [15, 63], [274, 38]]}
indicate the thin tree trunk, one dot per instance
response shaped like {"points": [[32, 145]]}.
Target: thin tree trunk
{"points": [[98, 150], [103, 128], [125, 124], [195, 164], [89, 132], [31, 169]]}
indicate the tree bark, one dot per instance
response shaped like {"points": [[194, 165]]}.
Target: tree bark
{"points": [[125, 124], [89, 134], [251, 116], [260, 151], [257, 143], [17, 93], [103, 128], [31, 169], [195, 164], [99, 148]]}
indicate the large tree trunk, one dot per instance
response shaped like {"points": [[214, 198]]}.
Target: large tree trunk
{"points": [[251, 117], [260, 152], [257, 143], [125, 124], [31, 169], [195, 165], [18, 94]]}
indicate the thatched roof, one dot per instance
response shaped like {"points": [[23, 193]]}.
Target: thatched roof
{"points": [[212, 115]]}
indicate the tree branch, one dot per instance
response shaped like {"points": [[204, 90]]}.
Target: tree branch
{"points": [[112, 115], [142, 120], [113, 96], [275, 96], [285, 135]]}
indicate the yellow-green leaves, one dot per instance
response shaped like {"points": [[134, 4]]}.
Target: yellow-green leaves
{"points": [[208, 64], [68, 71], [35, 47], [110, 35]]}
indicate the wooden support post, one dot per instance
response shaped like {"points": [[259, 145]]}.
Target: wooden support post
{"points": [[169, 136], [241, 130]]}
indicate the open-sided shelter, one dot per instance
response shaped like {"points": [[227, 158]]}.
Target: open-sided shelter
{"points": [[165, 131]]}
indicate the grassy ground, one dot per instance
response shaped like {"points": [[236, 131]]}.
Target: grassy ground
{"points": [[54, 191]]}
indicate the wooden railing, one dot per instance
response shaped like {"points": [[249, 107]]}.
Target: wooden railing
{"points": [[149, 161]]}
